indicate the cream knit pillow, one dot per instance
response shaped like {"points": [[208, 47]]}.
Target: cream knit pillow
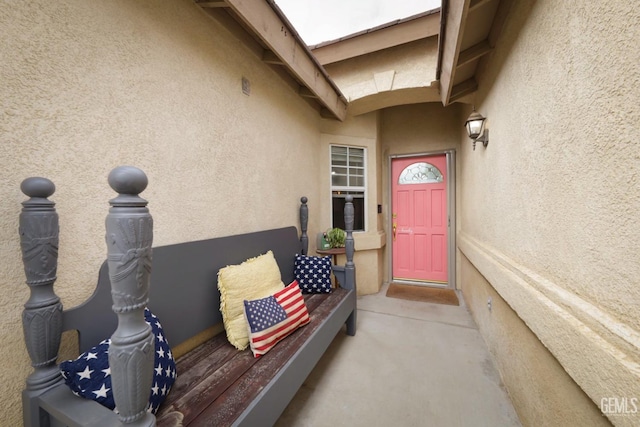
{"points": [[253, 279]]}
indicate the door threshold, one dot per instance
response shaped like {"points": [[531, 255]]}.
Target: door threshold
{"points": [[421, 283]]}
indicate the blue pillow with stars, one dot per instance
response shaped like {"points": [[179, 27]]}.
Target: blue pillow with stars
{"points": [[89, 375], [313, 273]]}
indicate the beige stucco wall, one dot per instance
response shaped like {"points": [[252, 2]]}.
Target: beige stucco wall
{"points": [[396, 76], [87, 86], [540, 389], [357, 131], [410, 129], [550, 208], [401, 75]]}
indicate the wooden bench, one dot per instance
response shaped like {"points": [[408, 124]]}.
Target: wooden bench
{"points": [[216, 384]]}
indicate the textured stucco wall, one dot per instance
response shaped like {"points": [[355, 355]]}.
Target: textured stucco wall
{"points": [[414, 64], [86, 86], [360, 131], [550, 208], [399, 75], [409, 129], [540, 389]]}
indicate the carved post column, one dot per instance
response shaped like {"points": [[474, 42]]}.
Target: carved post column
{"points": [[129, 236], [350, 267], [304, 220], [42, 315], [349, 214]]}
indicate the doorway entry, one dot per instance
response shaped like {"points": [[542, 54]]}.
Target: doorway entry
{"points": [[420, 220]]}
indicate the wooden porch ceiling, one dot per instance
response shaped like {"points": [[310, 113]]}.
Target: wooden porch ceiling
{"points": [[470, 30], [279, 45]]}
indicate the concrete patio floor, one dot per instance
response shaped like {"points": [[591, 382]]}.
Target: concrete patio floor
{"points": [[410, 364]]}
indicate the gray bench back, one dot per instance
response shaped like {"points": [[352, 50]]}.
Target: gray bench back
{"points": [[184, 284]]}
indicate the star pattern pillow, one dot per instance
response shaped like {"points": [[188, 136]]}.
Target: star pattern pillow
{"points": [[313, 273], [272, 318], [89, 375]]}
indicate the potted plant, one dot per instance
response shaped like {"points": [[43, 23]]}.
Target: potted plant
{"points": [[336, 237]]}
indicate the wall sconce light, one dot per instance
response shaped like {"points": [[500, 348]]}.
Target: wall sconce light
{"points": [[476, 129]]}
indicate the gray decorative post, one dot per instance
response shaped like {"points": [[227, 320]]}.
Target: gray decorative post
{"points": [[350, 267], [131, 354], [42, 315], [349, 214], [304, 220]]}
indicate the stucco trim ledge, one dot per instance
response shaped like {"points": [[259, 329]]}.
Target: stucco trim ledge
{"points": [[599, 352], [370, 240]]}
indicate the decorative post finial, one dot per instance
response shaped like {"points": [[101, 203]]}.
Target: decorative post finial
{"points": [[304, 220], [42, 315], [129, 237]]}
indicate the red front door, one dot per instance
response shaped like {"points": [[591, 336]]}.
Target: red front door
{"points": [[420, 219]]}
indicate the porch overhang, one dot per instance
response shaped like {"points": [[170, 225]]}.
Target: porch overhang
{"points": [[469, 32], [382, 37], [279, 45], [385, 66]]}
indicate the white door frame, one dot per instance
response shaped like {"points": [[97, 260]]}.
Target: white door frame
{"points": [[451, 210]]}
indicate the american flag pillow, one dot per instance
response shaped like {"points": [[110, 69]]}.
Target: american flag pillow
{"points": [[89, 375], [272, 318]]}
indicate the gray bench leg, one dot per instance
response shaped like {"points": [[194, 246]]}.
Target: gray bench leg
{"points": [[32, 415], [351, 323]]}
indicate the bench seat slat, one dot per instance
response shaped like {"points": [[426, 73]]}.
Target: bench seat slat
{"points": [[214, 390], [208, 370], [206, 379], [202, 351], [282, 375]]}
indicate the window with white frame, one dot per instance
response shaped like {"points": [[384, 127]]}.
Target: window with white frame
{"points": [[348, 171]]}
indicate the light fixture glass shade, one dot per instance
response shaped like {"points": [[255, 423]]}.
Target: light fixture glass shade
{"points": [[474, 125]]}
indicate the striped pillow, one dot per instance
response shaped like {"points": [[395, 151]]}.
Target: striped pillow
{"points": [[272, 318]]}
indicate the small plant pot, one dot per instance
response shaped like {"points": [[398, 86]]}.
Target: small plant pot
{"points": [[336, 237]]}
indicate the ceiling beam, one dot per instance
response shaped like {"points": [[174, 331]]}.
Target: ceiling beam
{"points": [[477, 3], [465, 88], [304, 92], [499, 20], [276, 35], [473, 53], [217, 3], [326, 114], [271, 58], [454, 29]]}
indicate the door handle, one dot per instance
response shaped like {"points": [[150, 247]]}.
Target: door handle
{"points": [[394, 231]]}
